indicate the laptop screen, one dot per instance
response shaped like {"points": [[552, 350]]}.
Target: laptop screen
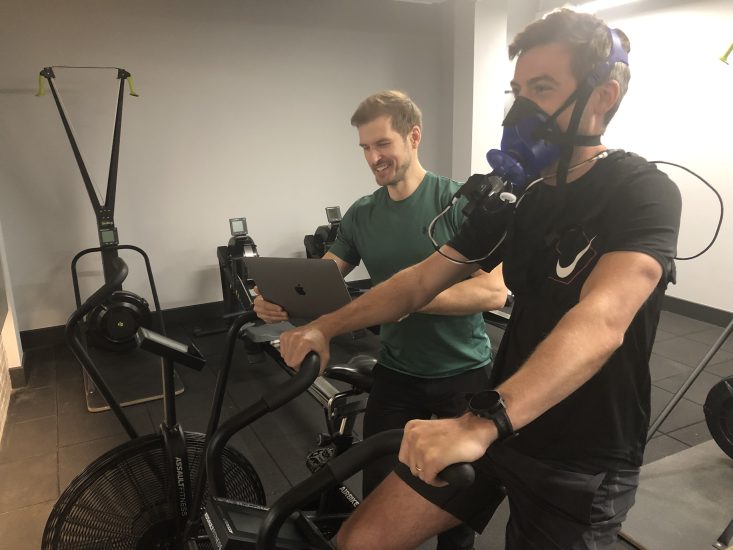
{"points": [[305, 288]]}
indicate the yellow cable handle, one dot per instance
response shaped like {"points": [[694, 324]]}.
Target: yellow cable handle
{"points": [[724, 58], [41, 91], [132, 86]]}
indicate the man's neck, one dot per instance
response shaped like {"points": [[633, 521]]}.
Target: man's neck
{"points": [[406, 186], [580, 158]]}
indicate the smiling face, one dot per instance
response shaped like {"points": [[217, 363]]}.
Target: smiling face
{"points": [[389, 154]]}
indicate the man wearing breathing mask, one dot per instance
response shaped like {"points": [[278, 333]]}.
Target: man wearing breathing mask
{"points": [[587, 239]]}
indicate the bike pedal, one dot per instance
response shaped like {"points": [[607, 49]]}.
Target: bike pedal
{"points": [[318, 458]]}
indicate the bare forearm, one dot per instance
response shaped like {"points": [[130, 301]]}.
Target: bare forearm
{"points": [[386, 302], [463, 299], [575, 350]]}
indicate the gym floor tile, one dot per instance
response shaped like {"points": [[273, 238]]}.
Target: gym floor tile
{"points": [[290, 454], [303, 415], [22, 529], [724, 369], [662, 446], [663, 335], [70, 395], [42, 368], [74, 458], [79, 426], [30, 403], [66, 363], [30, 438], [661, 367], [699, 389], [273, 479], [684, 414], [688, 351], [28, 481], [246, 392], [193, 415], [251, 367], [679, 325], [210, 345], [692, 435], [710, 336]]}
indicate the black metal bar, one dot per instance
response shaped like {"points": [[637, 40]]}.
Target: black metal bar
{"points": [[153, 289], [174, 443], [690, 380], [48, 73], [216, 406], [77, 348], [109, 201], [726, 537], [169, 393], [108, 255]]}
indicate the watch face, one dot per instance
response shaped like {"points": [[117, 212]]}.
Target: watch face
{"points": [[488, 400]]}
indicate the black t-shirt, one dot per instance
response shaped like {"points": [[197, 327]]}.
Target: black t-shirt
{"points": [[554, 241]]}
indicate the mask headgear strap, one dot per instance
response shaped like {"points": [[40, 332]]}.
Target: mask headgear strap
{"points": [[597, 76]]}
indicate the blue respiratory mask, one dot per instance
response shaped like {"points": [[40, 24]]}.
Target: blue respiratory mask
{"points": [[526, 148], [532, 140]]}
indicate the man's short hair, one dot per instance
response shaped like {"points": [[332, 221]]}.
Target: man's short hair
{"points": [[397, 105], [589, 40]]}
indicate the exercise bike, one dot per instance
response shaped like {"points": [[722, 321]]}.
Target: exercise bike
{"points": [[147, 493], [235, 283], [139, 495], [112, 323], [323, 237]]}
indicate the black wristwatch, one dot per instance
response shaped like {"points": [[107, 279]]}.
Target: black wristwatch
{"points": [[489, 404]]}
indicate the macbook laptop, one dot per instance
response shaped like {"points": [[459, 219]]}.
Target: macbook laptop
{"points": [[305, 288]]}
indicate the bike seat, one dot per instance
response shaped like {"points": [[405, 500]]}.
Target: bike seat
{"points": [[357, 372]]}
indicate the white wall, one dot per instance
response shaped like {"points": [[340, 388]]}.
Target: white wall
{"points": [[244, 111], [10, 350], [679, 109]]}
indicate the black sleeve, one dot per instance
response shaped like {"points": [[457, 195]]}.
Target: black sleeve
{"points": [[645, 217], [483, 236]]}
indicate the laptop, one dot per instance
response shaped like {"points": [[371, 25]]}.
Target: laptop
{"points": [[305, 288]]}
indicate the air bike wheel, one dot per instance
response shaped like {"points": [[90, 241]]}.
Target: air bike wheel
{"points": [[719, 414], [121, 500], [112, 325]]}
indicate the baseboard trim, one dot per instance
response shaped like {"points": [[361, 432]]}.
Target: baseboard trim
{"points": [[17, 377], [699, 312], [41, 337]]}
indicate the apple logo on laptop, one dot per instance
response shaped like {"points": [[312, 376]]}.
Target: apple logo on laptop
{"points": [[299, 289]]}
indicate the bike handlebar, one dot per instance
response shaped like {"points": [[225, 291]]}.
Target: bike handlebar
{"points": [[336, 471]]}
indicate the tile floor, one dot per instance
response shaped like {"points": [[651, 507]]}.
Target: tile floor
{"points": [[50, 437]]}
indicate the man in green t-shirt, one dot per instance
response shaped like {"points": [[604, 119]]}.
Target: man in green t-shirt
{"points": [[432, 358]]}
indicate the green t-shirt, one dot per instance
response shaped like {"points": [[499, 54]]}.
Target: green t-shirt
{"points": [[389, 236]]}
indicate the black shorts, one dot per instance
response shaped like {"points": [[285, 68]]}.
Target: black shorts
{"points": [[550, 508]]}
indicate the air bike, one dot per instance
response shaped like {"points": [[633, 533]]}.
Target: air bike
{"points": [[110, 327], [148, 493]]}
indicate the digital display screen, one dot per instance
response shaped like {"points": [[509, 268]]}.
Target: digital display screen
{"points": [[108, 236], [333, 214], [238, 226]]}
